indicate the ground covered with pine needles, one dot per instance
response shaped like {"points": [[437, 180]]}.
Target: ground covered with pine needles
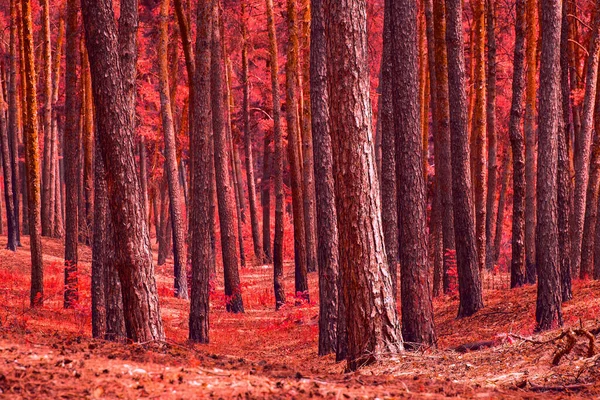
{"points": [[49, 352]]}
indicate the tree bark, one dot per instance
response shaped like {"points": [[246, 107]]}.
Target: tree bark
{"points": [[502, 202], [417, 308], [100, 249], [518, 275], [13, 123], [114, 99], [327, 232], [469, 283], [366, 285], [11, 240], [179, 248], [548, 311], [47, 200], [30, 128], [55, 191], [277, 161]]}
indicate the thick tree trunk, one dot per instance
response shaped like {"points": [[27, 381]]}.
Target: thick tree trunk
{"points": [[389, 205], [517, 140], [491, 134], [548, 311], [114, 99], [225, 195], [366, 287], [71, 151], [417, 308], [177, 222], [200, 132], [30, 127], [100, 249], [294, 155], [327, 233], [531, 139], [443, 140], [581, 159], [469, 283], [277, 161]]}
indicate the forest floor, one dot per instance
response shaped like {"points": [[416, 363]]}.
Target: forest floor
{"points": [[49, 352]]}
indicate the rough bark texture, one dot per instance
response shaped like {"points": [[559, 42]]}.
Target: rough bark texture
{"points": [[327, 233], [479, 130], [114, 109], [565, 184], [277, 161], [366, 286], [490, 217], [389, 205], [30, 127], [442, 131], [11, 240], [581, 160], [256, 237], [200, 133], [13, 123], [265, 197], [469, 283], [517, 141], [100, 249], [47, 203], [294, 155], [177, 222], [531, 139], [548, 311], [417, 308], [225, 195], [506, 168]]}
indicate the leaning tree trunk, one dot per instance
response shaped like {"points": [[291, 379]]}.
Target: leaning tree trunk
{"points": [[277, 161], [294, 156], [469, 283], [114, 111], [179, 248], [327, 232], [200, 132], [548, 311], [225, 196], [417, 307], [366, 287], [30, 127], [517, 140]]}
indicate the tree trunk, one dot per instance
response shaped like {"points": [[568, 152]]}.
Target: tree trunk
{"points": [[502, 202], [548, 311], [389, 205], [491, 134], [114, 99], [179, 248], [277, 161], [366, 287], [11, 242], [200, 132], [256, 238], [13, 123], [530, 140], [47, 204], [417, 308], [327, 233], [265, 198], [469, 283], [443, 140], [224, 190], [100, 249], [294, 156], [30, 128], [517, 140], [87, 215]]}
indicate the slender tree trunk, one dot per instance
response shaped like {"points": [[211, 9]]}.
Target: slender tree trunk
{"points": [[442, 131], [277, 161], [517, 140], [179, 248], [11, 243], [266, 197], [225, 196], [506, 163], [548, 311], [530, 139], [47, 204], [389, 205], [99, 249], [88, 145], [112, 58], [23, 117], [327, 233], [33, 159], [469, 283], [491, 134], [13, 123], [200, 132], [294, 156], [366, 287], [417, 308]]}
